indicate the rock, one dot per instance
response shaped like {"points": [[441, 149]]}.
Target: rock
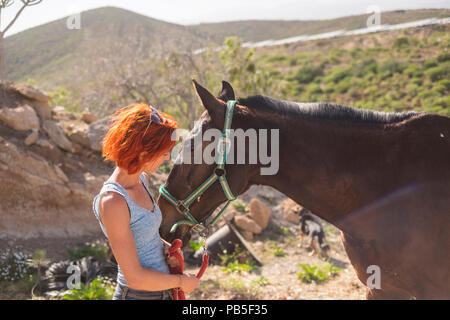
{"points": [[247, 224], [44, 143], [78, 135], [56, 133], [32, 137], [93, 183], [61, 174], [247, 235], [291, 211], [32, 92], [88, 117], [43, 109], [259, 212], [228, 215], [96, 132], [60, 113], [21, 118]]}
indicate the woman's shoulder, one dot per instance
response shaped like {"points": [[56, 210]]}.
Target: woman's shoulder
{"points": [[112, 203]]}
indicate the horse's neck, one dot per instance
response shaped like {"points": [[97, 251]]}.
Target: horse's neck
{"points": [[324, 167]]}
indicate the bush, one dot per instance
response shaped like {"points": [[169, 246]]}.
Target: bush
{"points": [[14, 266], [317, 274], [443, 85], [443, 57], [97, 250], [413, 71], [401, 43], [308, 73], [337, 74], [439, 72], [239, 206], [313, 88], [367, 66], [390, 66], [430, 64], [96, 290], [343, 86]]}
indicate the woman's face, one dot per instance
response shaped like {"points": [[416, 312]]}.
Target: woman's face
{"points": [[151, 166]]}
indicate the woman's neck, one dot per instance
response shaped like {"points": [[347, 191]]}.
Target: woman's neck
{"points": [[128, 181]]}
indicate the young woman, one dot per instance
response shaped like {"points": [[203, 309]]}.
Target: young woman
{"points": [[138, 141]]}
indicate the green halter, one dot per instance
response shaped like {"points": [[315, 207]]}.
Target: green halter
{"points": [[219, 174]]}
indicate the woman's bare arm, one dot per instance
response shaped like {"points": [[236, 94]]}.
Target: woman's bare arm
{"points": [[116, 219]]}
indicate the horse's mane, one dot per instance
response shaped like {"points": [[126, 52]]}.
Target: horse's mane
{"points": [[323, 110]]}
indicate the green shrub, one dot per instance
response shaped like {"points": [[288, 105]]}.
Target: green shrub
{"points": [[313, 88], [400, 43], [439, 72], [97, 250], [443, 85], [317, 274], [96, 290], [308, 73], [195, 245], [239, 206], [364, 67], [343, 86], [235, 266], [329, 87], [282, 230], [338, 73], [277, 58], [430, 64], [413, 71], [390, 66], [278, 252], [443, 56]]}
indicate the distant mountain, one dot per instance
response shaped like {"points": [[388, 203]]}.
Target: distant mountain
{"points": [[51, 53], [55, 56], [260, 30]]}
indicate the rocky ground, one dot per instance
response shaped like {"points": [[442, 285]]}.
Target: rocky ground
{"points": [[277, 279]]}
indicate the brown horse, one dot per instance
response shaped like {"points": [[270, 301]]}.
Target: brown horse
{"points": [[382, 178]]}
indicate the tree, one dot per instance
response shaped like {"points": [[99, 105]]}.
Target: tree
{"points": [[3, 5]]}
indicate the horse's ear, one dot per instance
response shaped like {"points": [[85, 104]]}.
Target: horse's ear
{"points": [[227, 92], [208, 101]]}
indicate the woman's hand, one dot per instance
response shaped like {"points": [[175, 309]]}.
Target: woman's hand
{"points": [[188, 282], [171, 261]]}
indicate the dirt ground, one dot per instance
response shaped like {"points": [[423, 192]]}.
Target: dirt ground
{"points": [[279, 273]]}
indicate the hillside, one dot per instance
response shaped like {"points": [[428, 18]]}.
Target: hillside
{"points": [[55, 56], [52, 54], [259, 30]]}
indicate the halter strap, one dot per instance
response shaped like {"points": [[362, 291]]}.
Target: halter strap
{"points": [[219, 174]]}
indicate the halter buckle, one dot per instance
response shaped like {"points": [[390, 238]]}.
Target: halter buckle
{"points": [[181, 207]]}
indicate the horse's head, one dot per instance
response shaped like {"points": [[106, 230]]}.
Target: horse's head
{"points": [[188, 174]]}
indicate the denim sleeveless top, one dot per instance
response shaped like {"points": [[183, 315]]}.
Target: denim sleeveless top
{"points": [[144, 225]]}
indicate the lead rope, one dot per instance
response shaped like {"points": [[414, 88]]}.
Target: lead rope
{"points": [[176, 244]]}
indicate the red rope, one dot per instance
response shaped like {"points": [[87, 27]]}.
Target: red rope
{"points": [[178, 294]]}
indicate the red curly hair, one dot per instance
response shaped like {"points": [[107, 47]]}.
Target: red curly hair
{"points": [[132, 132]]}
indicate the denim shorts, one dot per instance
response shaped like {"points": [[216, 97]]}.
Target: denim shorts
{"points": [[125, 293]]}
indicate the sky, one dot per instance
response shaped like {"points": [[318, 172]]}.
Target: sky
{"points": [[198, 11]]}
